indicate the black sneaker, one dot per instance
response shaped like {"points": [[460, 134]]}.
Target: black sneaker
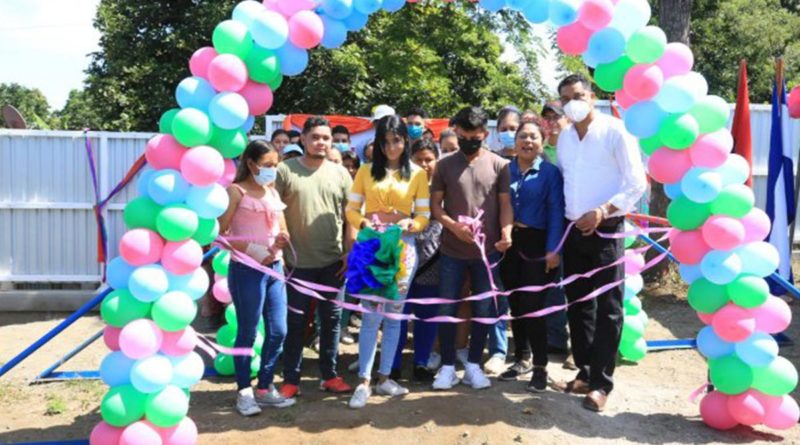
{"points": [[517, 369], [538, 381], [423, 374]]}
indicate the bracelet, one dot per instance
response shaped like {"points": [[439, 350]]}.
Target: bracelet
{"points": [[257, 252]]}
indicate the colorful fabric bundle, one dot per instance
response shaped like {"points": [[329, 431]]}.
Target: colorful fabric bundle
{"points": [[374, 265]]}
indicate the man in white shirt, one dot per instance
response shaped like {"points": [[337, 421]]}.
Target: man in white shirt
{"points": [[603, 180]]}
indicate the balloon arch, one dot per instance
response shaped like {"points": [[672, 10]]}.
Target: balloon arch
{"points": [[718, 236]]}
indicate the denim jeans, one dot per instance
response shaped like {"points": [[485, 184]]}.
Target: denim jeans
{"points": [[424, 332], [256, 295], [330, 316], [452, 271], [371, 322], [498, 337]]}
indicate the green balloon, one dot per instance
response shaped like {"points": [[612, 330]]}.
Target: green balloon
{"points": [[221, 262], [610, 76], [633, 306], [223, 364], [263, 65], [734, 200], [226, 335], [629, 241], [685, 214], [276, 83], [141, 213], [706, 297], [230, 143], [191, 127], [167, 407], [255, 365], [232, 37], [777, 379], [633, 351], [748, 291], [711, 113], [122, 405], [646, 45], [262, 327], [679, 131], [165, 123], [730, 375], [174, 311], [120, 308], [632, 329], [207, 231], [230, 316], [651, 144], [177, 222]]}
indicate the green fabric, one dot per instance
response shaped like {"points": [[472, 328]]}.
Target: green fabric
{"points": [[387, 259], [550, 151]]}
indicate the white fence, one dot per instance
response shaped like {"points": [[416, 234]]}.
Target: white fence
{"points": [[48, 232]]}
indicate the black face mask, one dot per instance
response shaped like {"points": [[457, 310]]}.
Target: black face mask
{"points": [[469, 146]]}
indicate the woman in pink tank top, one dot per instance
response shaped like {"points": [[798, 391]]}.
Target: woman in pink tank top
{"points": [[254, 220]]}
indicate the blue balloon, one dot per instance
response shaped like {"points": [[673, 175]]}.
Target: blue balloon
{"points": [[118, 273], [393, 5], [194, 92], [270, 30], [606, 45], [167, 187], [247, 11], [492, 5], [735, 170], [673, 190], [563, 12], [356, 21], [762, 258], [187, 370], [633, 285], [293, 60], [338, 9], [590, 60], [630, 16], [690, 273], [194, 284], [115, 369], [335, 33], [643, 119], [151, 374], [209, 202], [367, 7], [144, 180], [721, 266], [249, 124], [537, 11], [518, 5], [711, 345], [228, 111], [759, 349], [676, 96], [701, 185], [148, 283]]}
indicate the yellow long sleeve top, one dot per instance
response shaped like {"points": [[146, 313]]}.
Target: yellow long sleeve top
{"points": [[392, 194]]}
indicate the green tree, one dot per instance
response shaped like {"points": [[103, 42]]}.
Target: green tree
{"points": [[78, 113], [30, 102]]}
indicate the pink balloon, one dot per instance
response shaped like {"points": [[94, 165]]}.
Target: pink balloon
{"points": [[141, 246], [218, 277], [202, 166], [633, 262], [643, 81], [596, 14], [747, 408], [200, 60], [140, 338], [289, 8], [221, 291], [733, 323], [782, 412], [773, 316], [723, 232], [163, 151], [227, 73], [573, 39], [794, 110], [624, 100], [105, 434], [305, 29], [711, 150], [705, 318], [182, 257], [229, 175], [667, 166], [140, 433], [111, 337], [179, 342], [756, 225], [714, 411], [184, 433], [677, 59], [258, 96], [689, 247]]}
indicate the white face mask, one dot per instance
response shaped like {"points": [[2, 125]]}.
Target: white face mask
{"points": [[577, 110]]}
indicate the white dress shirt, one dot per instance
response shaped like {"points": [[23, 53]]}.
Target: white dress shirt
{"points": [[604, 167]]}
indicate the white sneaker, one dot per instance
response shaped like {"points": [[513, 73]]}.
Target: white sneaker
{"points": [[475, 377], [273, 399], [495, 365], [434, 361], [446, 378], [462, 356], [360, 396], [246, 403], [391, 388]]}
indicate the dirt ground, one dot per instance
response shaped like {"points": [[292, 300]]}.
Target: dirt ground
{"points": [[650, 404]]}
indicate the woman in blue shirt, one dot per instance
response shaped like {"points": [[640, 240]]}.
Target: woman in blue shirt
{"points": [[537, 196]]}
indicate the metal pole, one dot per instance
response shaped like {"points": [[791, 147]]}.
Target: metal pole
{"points": [[70, 354]]}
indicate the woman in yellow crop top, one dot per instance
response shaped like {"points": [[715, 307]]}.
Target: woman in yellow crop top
{"points": [[393, 191]]}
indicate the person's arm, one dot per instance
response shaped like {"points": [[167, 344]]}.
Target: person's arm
{"points": [[422, 203], [634, 180], [555, 219], [348, 231], [506, 209], [234, 198], [355, 200], [460, 230]]}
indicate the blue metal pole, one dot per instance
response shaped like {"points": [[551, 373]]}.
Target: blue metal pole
{"points": [[70, 354]]}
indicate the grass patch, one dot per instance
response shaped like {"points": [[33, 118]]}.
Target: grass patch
{"points": [[55, 405]]}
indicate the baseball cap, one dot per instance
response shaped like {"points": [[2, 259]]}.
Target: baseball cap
{"points": [[382, 111], [292, 148]]}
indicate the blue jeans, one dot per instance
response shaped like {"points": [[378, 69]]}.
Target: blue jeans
{"points": [[424, 332], [371, 323], [256, 295], [451, 273], [498, 337]]}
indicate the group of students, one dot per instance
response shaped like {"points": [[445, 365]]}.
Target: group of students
{"points": [[525, 202]]}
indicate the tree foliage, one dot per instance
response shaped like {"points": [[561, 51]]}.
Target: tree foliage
{"points": [[30, 102]]}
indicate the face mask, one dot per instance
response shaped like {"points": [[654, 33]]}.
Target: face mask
{"points": [[469, 146], [266, 175], [577, 110], [415, 131], [507, 139], [342, 146]]}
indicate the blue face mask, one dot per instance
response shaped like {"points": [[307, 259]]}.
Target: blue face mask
{"points": [[415, 131], [266, 175], [507, 139], [342, 146]]}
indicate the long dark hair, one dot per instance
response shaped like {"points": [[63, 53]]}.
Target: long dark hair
{"points": [[254, 151], [390, 125]]}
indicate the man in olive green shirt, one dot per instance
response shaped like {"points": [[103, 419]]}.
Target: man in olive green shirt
{"points": [[315, 193]]}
